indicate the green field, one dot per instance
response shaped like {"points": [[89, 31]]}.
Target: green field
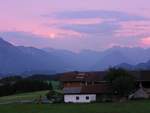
{"points": [[142, 106], [128, 107], [24, 96]]}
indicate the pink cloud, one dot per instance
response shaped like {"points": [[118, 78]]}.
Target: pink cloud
{"points": [[81, 21], [37, 27], [111, 45], [48, 27], [145, 42], [133, 28]]}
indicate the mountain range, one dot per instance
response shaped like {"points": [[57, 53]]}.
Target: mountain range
{"points": [[30, 60], [19, 59]]}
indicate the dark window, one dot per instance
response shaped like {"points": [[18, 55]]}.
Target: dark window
{"points": [[87, 97], [77, 98]]}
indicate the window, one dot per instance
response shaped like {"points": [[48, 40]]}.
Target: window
{"points": [[77, 98], [87, 97]]}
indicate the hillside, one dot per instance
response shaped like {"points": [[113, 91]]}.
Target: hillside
{"points": [[17, 60]]}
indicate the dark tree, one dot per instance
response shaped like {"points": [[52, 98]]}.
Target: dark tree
{"points": [[30, 85], [122, 82]]}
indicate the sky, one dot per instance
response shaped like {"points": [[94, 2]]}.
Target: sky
{"points": [[76, 24]]}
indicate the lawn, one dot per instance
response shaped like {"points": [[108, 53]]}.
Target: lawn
{"points": [[127, 107]]}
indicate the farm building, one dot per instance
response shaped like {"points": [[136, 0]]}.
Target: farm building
{"points": [[86, 87], [82, 87], [143, 82]]}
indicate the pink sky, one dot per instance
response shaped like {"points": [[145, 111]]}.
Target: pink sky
{"points": [[27, 16]]}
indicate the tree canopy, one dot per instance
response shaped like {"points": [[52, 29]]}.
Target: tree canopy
{"points": [[122, 81]]}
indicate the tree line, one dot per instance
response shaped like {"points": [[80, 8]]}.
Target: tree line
{"points": [[16, 84]]}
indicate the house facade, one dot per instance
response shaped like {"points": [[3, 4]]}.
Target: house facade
{"points": [[79, 98], [82, 87]]}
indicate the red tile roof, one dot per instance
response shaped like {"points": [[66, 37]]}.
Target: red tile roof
{"points": [[83, 76], [91, 89], [96, 89]]}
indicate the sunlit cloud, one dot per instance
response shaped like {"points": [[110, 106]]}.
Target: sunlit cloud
{"points": [[145, 42], [133, 28], [38, 28]]}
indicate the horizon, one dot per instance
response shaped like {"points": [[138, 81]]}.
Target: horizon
{"points": [[76, 25], [113, 47]]}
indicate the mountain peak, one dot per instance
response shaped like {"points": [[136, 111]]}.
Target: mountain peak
{"points": [[1, 39], [4, 43]]}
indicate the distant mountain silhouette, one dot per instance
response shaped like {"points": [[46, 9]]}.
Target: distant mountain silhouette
{"points": [[111, 59], [125, 66], [30, 60], [16, 60], [87, 60], [141, 66]]}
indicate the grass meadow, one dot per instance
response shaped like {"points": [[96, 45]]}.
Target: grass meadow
{"points": [[140, 106], [126, 107]]}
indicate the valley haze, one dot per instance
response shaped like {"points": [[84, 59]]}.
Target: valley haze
{"points": [[30, 60]]}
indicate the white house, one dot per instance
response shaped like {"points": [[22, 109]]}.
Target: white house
{"points": [[79, 98]]}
